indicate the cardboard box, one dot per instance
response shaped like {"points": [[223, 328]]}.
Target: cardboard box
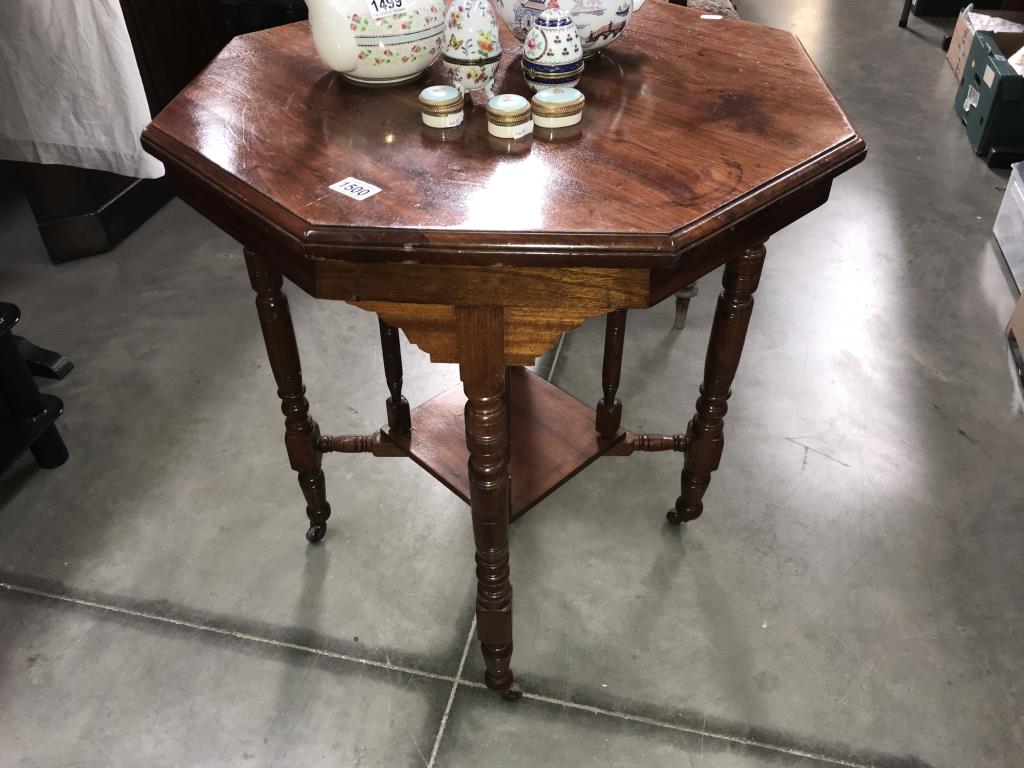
{"points": [[1016, 324], [990, 99], [963, 36], [1015, 339], [1009, 226]]}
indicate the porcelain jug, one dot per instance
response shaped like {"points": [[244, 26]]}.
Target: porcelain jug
{"points": [[377, 42], [600, 22]]}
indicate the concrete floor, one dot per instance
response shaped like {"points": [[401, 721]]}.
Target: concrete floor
{"points": [[852, 595]]}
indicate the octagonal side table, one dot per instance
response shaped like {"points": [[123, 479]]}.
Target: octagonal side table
{"points": [[701, 139]]}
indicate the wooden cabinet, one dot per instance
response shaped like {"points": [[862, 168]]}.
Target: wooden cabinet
{"points": [[81, 212]]}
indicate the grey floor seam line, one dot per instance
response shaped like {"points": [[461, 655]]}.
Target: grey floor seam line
{"points": [[695, 731], [451, 694], [228, 632], [456, 680]]}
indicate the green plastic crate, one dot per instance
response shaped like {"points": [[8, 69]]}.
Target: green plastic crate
{"points": [[990, 99]]}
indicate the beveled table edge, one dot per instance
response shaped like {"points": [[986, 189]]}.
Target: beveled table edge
{"points": [[476, 247]]}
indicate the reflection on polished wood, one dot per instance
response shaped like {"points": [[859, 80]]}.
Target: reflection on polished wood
{"points": [[680, 138], [690, 156]]}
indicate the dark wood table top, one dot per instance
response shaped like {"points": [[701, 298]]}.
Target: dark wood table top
{"points": [[691, 125]]}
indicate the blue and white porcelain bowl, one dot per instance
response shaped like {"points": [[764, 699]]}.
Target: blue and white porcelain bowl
{"points": [[599, 22], [552, 51]]}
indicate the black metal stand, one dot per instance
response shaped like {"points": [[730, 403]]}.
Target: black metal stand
{"points": [[43, 362], [26, 416]]}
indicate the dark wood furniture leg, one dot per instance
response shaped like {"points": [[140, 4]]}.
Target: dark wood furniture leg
{"points": [[905, 15], [481, 334], [398, 406], [301, 435], [705, 432], [683, 296], [609, 410]]}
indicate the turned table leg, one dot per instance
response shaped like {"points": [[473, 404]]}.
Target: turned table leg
{"points": [[705, 438], [398, 406], [301, 432], [480, 332], [609, 410]]}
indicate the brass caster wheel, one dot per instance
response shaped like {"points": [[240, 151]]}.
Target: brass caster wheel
{"points": [[674, 517], [512, 693], [316, 532]]}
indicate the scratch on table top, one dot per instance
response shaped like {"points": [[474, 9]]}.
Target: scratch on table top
{"points": [[314, 202]]}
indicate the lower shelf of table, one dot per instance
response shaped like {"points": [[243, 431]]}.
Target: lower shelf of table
{"points": [[552, 438]]}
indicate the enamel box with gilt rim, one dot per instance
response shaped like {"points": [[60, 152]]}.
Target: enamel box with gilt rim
{"points": [[557, 107], [377, 42], [471, 50], [509, 116], [552, 52], [441, 106]]}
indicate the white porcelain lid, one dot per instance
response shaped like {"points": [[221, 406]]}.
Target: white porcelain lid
{"points": [[557, 98], [553, 17], [439, 95], [508, 104]]}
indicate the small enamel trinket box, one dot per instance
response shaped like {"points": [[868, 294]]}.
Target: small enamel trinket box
{"points": [[509, 116], [552, 51], [441, 106], [557, 107]]}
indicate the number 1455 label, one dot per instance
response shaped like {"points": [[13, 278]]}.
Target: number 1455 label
{"points": [[381, 8]]}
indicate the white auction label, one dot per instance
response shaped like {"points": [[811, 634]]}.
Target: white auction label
{"points": [[450, 121], [355, 188], [522, 129], [381, 8]]}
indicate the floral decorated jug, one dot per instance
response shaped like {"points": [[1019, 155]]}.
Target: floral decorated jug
{"points": [[600, 22], [471, 50], [377, 42]]}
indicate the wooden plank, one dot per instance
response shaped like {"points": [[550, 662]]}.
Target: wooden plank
{"points": [[529, 331], [579, 288]]}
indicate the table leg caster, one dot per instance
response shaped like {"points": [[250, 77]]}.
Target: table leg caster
{"points": [[676, 517], [512, 693], [316, 532]]}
